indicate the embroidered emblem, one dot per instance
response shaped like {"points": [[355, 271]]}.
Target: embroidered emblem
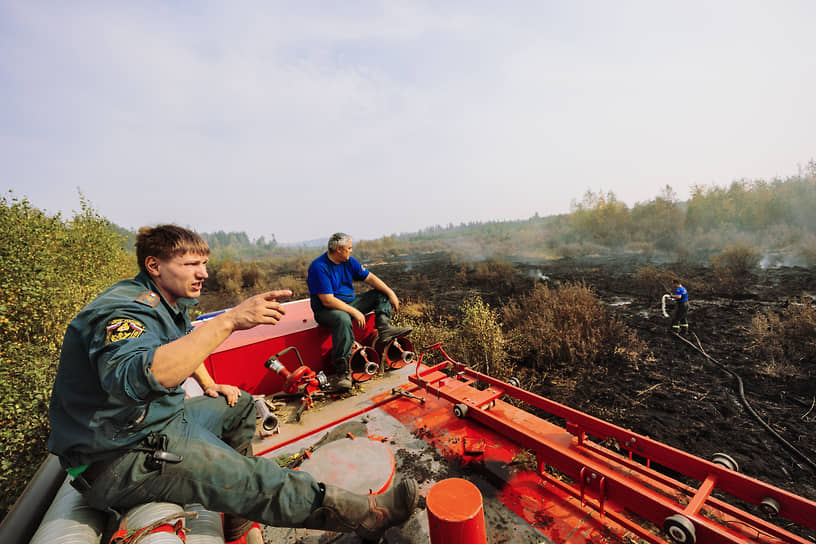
{"points": [[148, 298], [120, 329]]}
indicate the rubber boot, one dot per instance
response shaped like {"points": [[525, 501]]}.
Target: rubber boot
{"points": [[387, 331], [367, 515], [341, 381]]}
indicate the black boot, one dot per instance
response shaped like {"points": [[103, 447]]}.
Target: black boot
{"points": [[367, 515], [341, 381], [387, 331]]}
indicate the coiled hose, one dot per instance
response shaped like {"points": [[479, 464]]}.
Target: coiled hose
{"points": [[788, 445]]}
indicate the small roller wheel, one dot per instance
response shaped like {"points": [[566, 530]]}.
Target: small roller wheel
{"points": [[680, 529], [514, 382], [725, 461], [769, 506], [460, 410], [490, 405]]}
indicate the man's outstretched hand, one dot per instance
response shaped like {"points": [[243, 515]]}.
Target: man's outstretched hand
{"points": [[262, 309]]}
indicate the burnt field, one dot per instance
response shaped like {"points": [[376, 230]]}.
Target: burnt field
{"points": [[674, 393]]}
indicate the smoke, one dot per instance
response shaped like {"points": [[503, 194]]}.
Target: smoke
{"points": [[780, 260], [537, 275]]}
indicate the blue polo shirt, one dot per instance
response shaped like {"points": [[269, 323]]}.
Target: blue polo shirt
{"points": [[683, 294], [328, 278]]}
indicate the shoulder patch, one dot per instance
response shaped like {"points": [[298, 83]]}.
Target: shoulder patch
{"points": [[148, 298], [121, 328]]}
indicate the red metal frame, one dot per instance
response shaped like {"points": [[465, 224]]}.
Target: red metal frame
{"points": [[239, 360], [605, 481], [599, 490]]}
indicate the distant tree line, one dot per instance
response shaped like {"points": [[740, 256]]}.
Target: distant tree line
{"points": [[767, 215]]}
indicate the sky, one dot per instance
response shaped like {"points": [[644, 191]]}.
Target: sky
{"points": [[300, 119]]}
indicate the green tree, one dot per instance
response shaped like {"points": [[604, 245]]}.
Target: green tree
{"points": [[659, 221], [49, 269], [602, 218]]}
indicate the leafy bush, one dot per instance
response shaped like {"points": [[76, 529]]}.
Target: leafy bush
{"points": [[26, 375], [653, 282], [732, 266], [428, 328], [296, 284], [739, 259], [49, 269], [789, 337], [480, 340], [568, 326]]}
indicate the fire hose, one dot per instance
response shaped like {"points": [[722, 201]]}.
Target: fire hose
{"points": [[269, 421], [663, 304], [780, 438]]}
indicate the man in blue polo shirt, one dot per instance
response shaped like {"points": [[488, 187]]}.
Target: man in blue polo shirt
{"points": [[680, 295], [331, 280]]}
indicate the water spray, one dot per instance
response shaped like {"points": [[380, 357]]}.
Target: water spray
{"points": [[663, 304]]}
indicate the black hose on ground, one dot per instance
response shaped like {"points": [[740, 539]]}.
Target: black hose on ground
{"points": [[780, 438]]}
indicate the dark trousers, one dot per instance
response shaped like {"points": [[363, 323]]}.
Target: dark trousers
{"points": [[340, 323], [679, 314], [212, 472]]}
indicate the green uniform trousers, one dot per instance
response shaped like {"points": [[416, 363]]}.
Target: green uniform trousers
{"points": [[212, 472]]}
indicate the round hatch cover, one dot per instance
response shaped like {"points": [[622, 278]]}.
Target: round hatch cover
{"points": [[360, 466]]}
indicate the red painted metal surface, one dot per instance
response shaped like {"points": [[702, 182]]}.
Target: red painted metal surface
{"points": [[579, 481], [456, 513], [577, 486], [364, 362], [239, 360], [397, 353]]}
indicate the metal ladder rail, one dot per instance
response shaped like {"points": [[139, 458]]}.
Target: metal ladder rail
{"points": [[791, 507], [609, 486], [438, 383], [713, 502]]}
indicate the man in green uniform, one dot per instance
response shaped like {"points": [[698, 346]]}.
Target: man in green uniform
{"points": [[122, 427]]}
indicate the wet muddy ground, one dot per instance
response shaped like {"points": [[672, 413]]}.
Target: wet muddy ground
{"points": [[675, 395]]}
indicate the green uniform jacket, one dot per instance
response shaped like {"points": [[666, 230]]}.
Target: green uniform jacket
{"points": [[105, 398]]}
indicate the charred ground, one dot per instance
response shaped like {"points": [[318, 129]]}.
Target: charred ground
{"points": [[675, 394]]}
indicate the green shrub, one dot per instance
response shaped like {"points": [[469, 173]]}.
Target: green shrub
{"points": [[653, 282], [26, 375], [428, 329], [479, 338], [568, 326], [49, 269], [732, 266], [789, 337], [738, 259]]}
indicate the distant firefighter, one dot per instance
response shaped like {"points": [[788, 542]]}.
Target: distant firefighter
{"points": [[680, 295]]}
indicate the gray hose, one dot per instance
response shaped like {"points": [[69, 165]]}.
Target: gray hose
{"points": [[791, 447]]}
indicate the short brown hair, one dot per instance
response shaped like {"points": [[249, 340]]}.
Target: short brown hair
{"points": [[167, 241]]}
